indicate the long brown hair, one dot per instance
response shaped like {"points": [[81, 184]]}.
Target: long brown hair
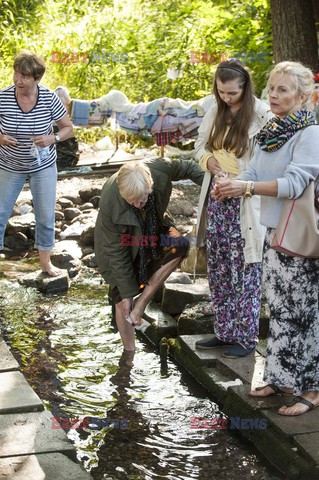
{"points": [[237, 137]]}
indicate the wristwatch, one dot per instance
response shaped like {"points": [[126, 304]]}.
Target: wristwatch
{"points": [[56, 138], [249, 192]]}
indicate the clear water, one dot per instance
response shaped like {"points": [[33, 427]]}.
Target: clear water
{"points": [[72, 356]]}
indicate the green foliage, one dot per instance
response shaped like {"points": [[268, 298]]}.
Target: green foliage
{"points": [[156, 35]]}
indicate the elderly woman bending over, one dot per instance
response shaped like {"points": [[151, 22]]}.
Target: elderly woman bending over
{"points": [[285, 161]]}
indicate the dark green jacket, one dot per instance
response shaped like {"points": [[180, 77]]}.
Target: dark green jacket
{"points": [[115, 261]]}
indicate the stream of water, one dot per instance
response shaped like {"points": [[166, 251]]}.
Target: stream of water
{"points": [[136, 417]]}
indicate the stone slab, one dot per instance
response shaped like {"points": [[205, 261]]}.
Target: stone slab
{"points": [[16, 395], [162, 324], [298, 425], [28, 433], [272, 402], [46, 284], [7, 360], [205, 357], [248, 369], [308, 444], [52, 466], [176, 296]]}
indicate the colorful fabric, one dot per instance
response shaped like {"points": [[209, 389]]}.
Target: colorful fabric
{"points": [[278, 131], [163, 139], [292, 286], [235, 286]]}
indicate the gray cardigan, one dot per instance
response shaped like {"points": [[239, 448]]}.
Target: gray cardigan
{"points": [[294, 165]]}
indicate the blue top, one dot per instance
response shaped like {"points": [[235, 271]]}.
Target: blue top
{"points": [[294, 165]]}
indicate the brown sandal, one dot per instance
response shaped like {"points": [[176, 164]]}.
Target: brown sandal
{"points": [[277, 391], [293, 402]]}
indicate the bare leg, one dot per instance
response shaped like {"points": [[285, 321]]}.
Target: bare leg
{"points": [[46, 265], [126, 330], [149, 291]]}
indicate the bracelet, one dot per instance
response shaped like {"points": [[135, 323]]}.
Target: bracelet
{"points": [[249, 191]]}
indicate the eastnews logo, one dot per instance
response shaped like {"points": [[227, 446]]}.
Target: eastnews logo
{"points": [[86, 57], [217, 57], [164, 240], [228, 423], [93, 423]]}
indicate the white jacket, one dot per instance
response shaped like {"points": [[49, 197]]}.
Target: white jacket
{"points": [[252, 231]]}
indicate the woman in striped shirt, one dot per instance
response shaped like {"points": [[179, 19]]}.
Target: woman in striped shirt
{"points": [[27, 150]]}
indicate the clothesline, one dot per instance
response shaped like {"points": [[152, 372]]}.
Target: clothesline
{"points": [[167, 120]]}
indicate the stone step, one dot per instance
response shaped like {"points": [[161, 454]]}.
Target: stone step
{"points": [[176, 296], [161, 324], [28, 433], [48, 466], [7, 361], [248, 370], [16, 395]]}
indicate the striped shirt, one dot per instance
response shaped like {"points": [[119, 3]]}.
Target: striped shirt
{"points": [[25, 157]]}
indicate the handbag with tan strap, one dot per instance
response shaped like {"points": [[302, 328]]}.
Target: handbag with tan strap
{"points": [[297, 232]]}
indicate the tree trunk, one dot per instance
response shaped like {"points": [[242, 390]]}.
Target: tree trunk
{"points": [[294, 32]]}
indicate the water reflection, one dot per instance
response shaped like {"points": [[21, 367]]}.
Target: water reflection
{"points": [[73, 359]]}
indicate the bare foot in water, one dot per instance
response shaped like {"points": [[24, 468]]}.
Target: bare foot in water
{"points": [[51, 270]]}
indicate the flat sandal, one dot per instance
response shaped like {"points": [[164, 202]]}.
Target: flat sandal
{"points": [[276, 390]]}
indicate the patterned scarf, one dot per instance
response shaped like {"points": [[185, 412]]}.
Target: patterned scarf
{"points": [[147, 218], [278, 131]]}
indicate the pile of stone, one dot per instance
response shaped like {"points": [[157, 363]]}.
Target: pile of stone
{"points": [[75, 219]]}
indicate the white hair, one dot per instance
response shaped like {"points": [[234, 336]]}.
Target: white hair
{"points": [[301, 75], [134, 181]]}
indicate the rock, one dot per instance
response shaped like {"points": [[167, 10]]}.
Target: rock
{"points": [[65, 202], [62, 257], [71, 213], [30, 233], [88, 193], [59, 216], [96, 201], [177, 296], [44, 283], [20, 223], [90, 260], [86, 217], [78, 225], [25, 208], [87, 235], [194, 321], [70, 246], [87, 251], [181, 207], [76, 199], [86, 206], [179, 277], [58, 207], [18, 241], [15, 211], [162, 324]]}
